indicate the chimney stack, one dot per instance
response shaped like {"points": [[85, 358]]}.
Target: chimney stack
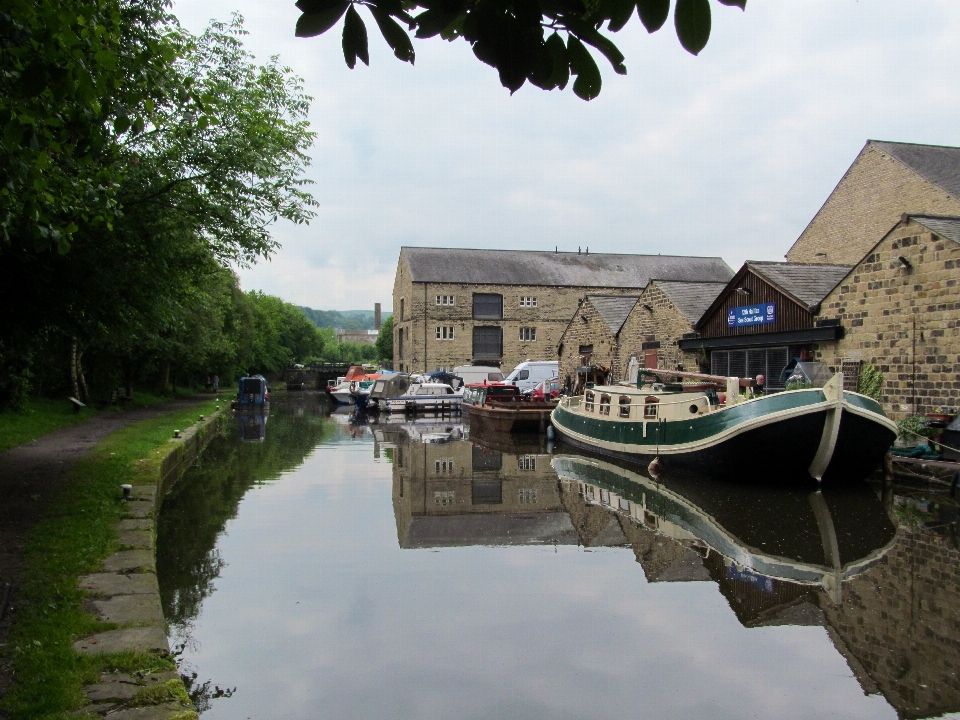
{"points": [[376, 316]]}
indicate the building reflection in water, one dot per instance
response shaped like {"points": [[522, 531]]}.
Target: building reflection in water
{"points": [[780, 555]]}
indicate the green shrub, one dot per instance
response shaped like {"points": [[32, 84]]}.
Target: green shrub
{"points": [[912, 427], [870, 382]]}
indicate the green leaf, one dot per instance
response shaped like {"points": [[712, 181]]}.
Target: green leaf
{"points": [[692, 20], [653, 13], [605, 45], [121, 124], [395, 35], [354, 39], [561, 63], [588, 82], [742, 4], [310, 25], [620, 12]]}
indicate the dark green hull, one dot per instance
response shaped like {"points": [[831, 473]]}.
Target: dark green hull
{"points": [[774, 436]]}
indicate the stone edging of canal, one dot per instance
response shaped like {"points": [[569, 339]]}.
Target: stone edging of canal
{"points": [[125, 593]]}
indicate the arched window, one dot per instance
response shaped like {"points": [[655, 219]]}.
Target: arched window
{"points": [[624, 406], [604, 404], [650, 407]]}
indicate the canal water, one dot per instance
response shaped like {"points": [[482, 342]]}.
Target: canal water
{"points": [[313, 567]]}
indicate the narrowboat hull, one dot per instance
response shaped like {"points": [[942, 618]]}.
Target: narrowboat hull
{"points": [[831, 433], [511, 417]]}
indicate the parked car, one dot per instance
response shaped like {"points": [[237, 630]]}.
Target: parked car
{"points": [[546, 390], [527, 375], [478, 373]]}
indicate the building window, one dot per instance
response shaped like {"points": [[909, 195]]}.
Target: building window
{"points": [[650, 408], [527, 496], [586, 349], [527, 462], [624, 406], [487, 345], [604, 404], [444, 497], [487, 306], [403, 313], [588, 402], [528, 334], [443, 466], [446, 300], [444, 332], [527, 301]]}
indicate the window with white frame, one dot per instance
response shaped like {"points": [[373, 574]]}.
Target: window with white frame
{"points": [[446, 300], [527, 496], [528, 301], [528, 334], [444, 332], [444, 497], [443, 466], [527, 462]]}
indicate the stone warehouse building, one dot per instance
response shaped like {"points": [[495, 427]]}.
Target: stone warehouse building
{"points": [[900, 310], [886, 180], [607, 331], [501, 307]]}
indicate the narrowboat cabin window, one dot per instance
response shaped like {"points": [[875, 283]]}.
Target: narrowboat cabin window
{"points": [[604, 404], [650, 407], [588, 402], [624, 406]]}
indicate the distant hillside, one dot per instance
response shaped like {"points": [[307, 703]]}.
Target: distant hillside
{"points": [[346, 319]]}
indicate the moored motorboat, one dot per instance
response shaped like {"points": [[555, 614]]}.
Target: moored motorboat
{"points": [[425, 397], [252, 394], [825, 430]]}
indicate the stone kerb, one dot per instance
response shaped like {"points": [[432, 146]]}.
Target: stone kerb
{"points": [[125, 593]]}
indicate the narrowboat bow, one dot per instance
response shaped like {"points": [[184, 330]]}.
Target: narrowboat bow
{"points": [[826, 430]]}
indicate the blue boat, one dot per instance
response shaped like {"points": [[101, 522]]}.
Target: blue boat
{"points": [[253, 393]]}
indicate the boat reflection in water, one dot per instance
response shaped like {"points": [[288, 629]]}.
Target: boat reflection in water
{"points": [[252, 426]]}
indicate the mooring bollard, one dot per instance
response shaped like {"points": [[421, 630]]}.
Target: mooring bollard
{"points": [[126, 491], [176, 433], [201, 418]]}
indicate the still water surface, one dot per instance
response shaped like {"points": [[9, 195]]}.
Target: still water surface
{"points": [[406, 570]]}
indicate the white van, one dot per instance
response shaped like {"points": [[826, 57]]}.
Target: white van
{"points": [[527, 375], [478, 373]]}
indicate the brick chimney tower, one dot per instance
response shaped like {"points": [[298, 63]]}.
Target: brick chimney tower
{"points": [[376, 316]]}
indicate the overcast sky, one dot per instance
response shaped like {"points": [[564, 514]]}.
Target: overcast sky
{"points": [[730, 153]]}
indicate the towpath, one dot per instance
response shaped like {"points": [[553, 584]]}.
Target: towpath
{"points": [[30, 476]]}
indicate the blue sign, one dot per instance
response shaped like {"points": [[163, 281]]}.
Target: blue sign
{"points": [[752, 315]]}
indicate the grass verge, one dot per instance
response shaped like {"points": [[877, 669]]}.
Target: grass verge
{"points": [[44, 415], [72, 539]]}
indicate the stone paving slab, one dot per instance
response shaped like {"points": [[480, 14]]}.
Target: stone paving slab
{"points": [[130, 609], [130, 561], [135, 524], [153, 712], [118, 691], [110, 584], [142, 639], [144, 492], [136, 538], [139, 509]]}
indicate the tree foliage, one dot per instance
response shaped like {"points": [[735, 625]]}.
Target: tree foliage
{"points": [[522, 39], [384, 342]]}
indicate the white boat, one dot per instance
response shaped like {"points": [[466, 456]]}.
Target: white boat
{"points": [[425, 397], [348, 392]]}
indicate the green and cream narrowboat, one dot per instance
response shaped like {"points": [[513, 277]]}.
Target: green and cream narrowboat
{"points": [[826, 431]]}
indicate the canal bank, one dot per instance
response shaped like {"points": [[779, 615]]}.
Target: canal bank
{"points": [[65, 500]]}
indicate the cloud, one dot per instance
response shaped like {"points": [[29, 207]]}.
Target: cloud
{"points": [[730, 153]]}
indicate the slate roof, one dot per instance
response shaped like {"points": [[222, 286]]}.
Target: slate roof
{"points": [[808, 282], [613, 308], [565, 269], [693, 299], [948, 227], [940, 164]]}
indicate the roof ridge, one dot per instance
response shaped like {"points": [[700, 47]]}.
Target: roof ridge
{"points": [[795, 264], [913, 144], [562, 252]]}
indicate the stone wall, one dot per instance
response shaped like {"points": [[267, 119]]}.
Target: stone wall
{"points": [[417, 316], [872, 195], [905, 321], [587, 328], [665, 324]]}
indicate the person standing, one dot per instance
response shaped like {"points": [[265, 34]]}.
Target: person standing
{"points": [[216, 383]]}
